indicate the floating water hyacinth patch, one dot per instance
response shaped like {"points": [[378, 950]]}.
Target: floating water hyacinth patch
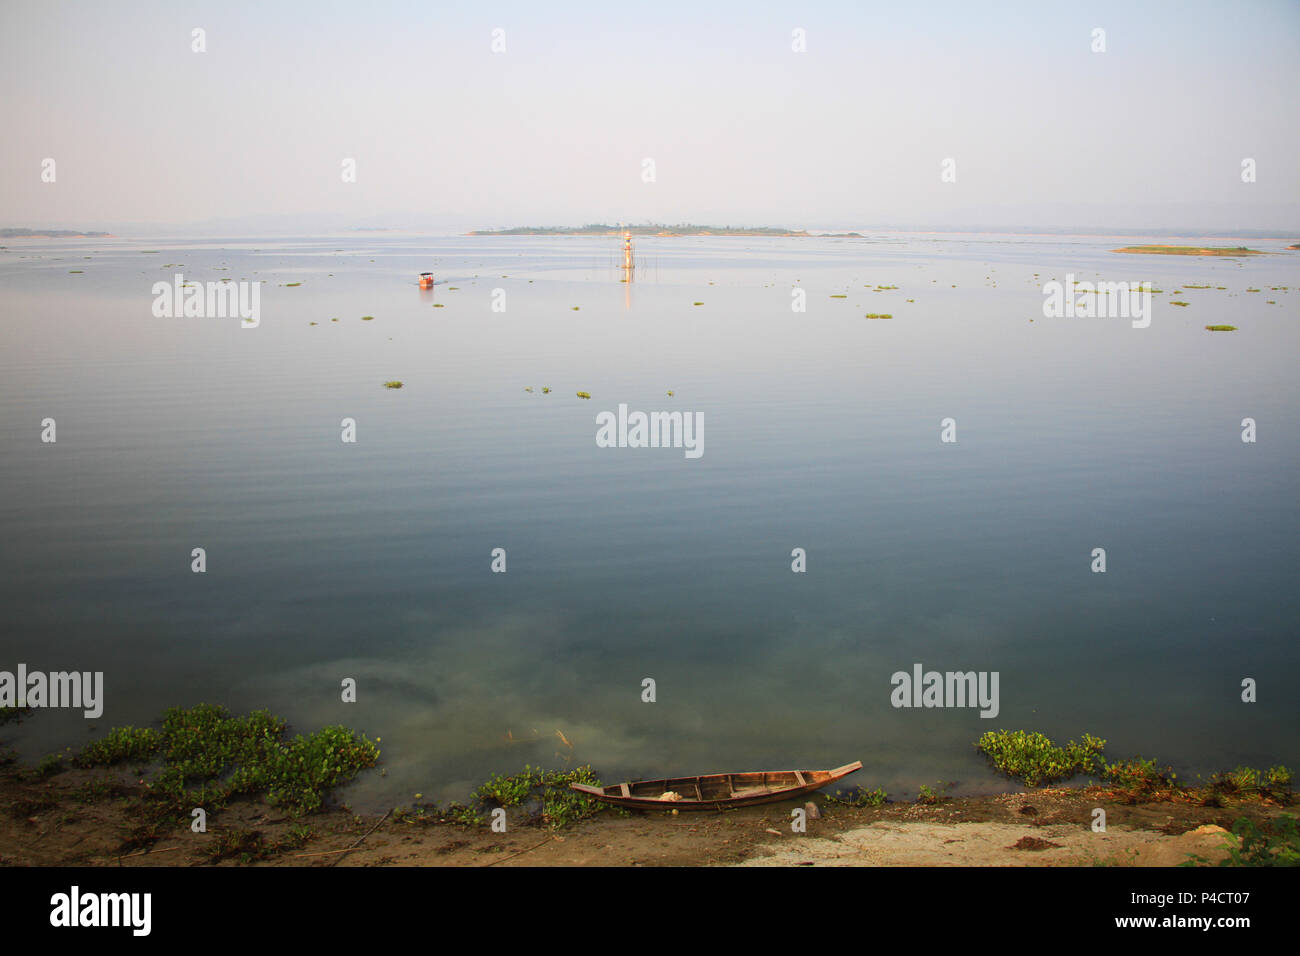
{"points": [[879, 315], [584, 394], [1221, 328], [367, 318], [392, 384]]}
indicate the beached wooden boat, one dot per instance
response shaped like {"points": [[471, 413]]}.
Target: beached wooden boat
{"points": [[716, 791]]}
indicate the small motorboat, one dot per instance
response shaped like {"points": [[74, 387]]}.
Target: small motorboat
{"points": [[426, 280], [717, 791]]}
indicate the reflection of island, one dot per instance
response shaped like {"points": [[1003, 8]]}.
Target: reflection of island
{"points": [[653, 229], [51, 234]]}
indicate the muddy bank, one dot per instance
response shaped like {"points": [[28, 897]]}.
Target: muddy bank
{"points": [[88, 818]]}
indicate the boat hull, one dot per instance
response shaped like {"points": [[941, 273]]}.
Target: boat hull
{"points": [[717, 791]]}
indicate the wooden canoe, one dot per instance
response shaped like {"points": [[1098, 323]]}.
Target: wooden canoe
{"points": [[717, 791]]}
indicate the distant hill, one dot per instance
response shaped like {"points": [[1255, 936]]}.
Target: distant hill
{"points": [[50, 234], [651, 229]]}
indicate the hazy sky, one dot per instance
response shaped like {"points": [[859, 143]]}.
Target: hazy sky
{"points": [[449, 135]]}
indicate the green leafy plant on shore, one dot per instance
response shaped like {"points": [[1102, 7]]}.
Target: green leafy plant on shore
{"points": [[1034, 759], [49, 765], [1250, 845], [1140, 778], [1245, 782], [861, 797], [931, 795], [138, 744]]}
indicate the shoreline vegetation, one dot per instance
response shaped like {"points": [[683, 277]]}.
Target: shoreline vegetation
{"points": [[129, 798], [660, 229], [52, 234], [1228, 251]]}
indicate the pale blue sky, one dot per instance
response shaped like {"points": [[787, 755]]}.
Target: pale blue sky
{"points": [[448, 135]]}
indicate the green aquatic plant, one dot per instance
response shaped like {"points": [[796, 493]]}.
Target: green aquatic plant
{"points": [[509, 791], [546, 390], [1221, 328], [839, 297], [697, 303], [1033, 758], [210, 757], [584, 394], [292, 285], [367, 318], [548, 792], [462, 815], [1178, 303], [1191, 250], [393, 384], [879, 315]]}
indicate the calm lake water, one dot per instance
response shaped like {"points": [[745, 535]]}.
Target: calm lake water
{"points": [[371, 560]]}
